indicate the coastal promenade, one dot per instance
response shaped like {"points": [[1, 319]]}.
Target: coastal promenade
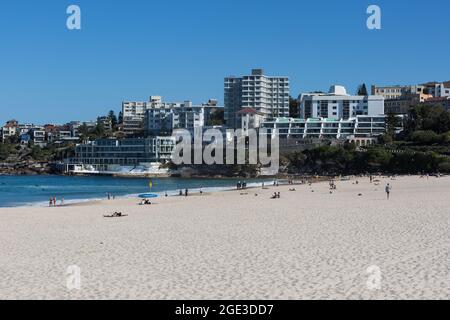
{"points": [[312, 243]]}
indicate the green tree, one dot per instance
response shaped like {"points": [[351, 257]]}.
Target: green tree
{"points": [[217, 118], [385, 139], [294, 108], [296, 160], [378, 158], [362, 90], [426, 137], [83, 131], [112, 117], [392, 123], [5, 151], [427, 117]]}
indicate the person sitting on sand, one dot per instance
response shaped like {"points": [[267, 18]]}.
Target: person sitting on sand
{"points": [[274, 196], [145, 202]]}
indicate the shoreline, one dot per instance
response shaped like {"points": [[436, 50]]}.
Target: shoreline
{"points": [[282, 180], [171, 193]]}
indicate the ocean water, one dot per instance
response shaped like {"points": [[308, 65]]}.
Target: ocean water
{"points": [[17, 191]]}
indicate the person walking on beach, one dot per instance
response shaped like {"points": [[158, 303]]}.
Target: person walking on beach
{"points": [[186, 192], [50, 203], [388, 190]]}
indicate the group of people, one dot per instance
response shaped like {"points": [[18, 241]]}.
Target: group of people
{"points": [[276, 195], [52, 202], [332, 185], [241, 185], [186, 192], [145, 202]]}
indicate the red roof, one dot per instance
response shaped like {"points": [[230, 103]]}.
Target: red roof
{"points": [[248, 111]]}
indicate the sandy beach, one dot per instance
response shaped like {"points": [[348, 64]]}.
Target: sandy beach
{"points": [[309, 244]]}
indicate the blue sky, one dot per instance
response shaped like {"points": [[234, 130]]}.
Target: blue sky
{"points": [[182, 50]]}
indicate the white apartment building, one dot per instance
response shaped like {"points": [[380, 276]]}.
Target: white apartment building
{"points": [[359, 127], [8, 132], [38, 136], [108, 154], [157, 117], [11, 128], [133, 114], [268, 95], [337, 104], [165, 117], [438, 90]]}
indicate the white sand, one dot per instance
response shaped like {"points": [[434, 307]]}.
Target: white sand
{"points": [[229, 246]]}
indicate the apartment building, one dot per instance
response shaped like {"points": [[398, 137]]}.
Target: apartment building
{"points": [[162, 118], [337, 104], [323, 128], [74, 126], [105, 122], [10, 129], [268, 95], [133, 114], [438, 90], [403, 104], [400, 99], [397, 91], [106, 154]]}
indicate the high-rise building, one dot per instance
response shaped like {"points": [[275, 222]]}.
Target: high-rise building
{"points": [[268, 95], [133, 114]]}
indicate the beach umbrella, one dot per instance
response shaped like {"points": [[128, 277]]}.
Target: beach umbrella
{"points": [[148, 195]]}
